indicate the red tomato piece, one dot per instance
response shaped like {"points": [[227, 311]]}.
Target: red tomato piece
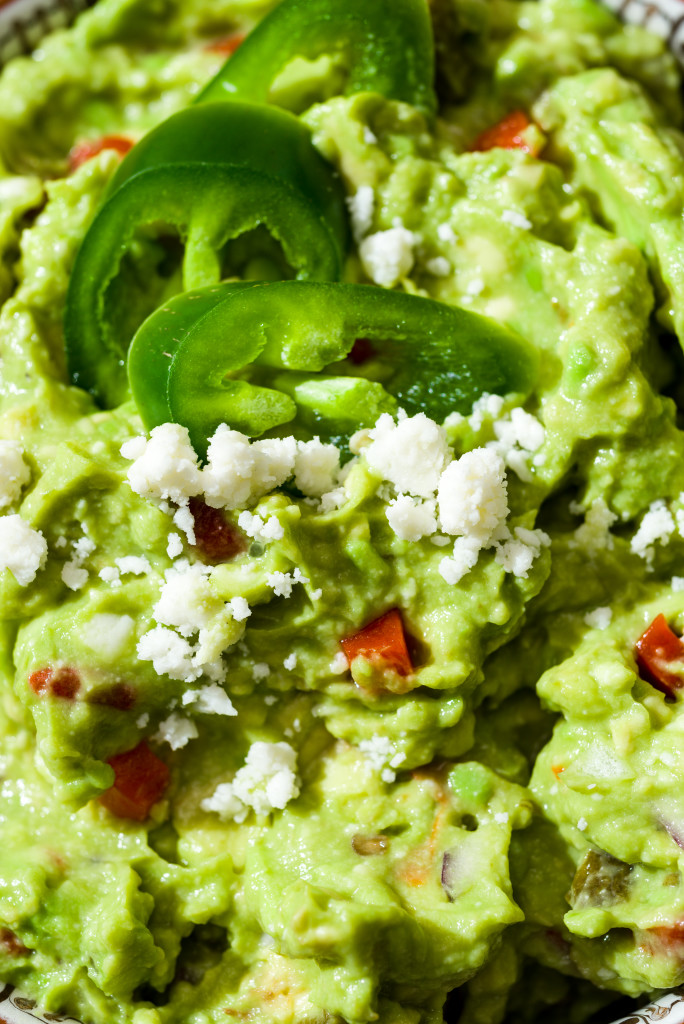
{"points": [[660, 657], [507, 134], [361, 351], [383, 640], [62, 682], [217, 540], [121, 696], [89, 148], [12, 945], [140, 778], [227, 45]]}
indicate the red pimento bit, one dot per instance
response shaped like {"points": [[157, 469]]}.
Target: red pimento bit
{"points": [[382, 640], [227, 45], [509, 133], [89, 148], [361, 351], [216, 539], [660, 657], [12, 945], [140, 779], [62, 681]]}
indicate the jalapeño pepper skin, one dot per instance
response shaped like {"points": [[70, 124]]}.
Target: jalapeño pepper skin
{"points": [[211, 173], [276, 353], [387, 46]]}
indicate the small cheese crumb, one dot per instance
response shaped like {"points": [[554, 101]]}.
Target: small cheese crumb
{"points": [[14, 472], [339, 664], [239, 608], [134, 565], [361, 206], [472, 496], [518, 220], [169, 653], [582, 824], [260, 670], [176, 731], [445, 233], [260, 529], [518, 552], [658, 525], [410, 518], [23, 550], [210, 700], [382, 755], [594, 533], [387, 256], [239, 472], [74, 575], [599, 618], [165, 466], [411, 453], [290, 662], [438, 266], [187, 600], [501, 817], [110, 574], [174, 548], [453, 568], [266, 782], [677, 583], [316, 467], [282, 582]]}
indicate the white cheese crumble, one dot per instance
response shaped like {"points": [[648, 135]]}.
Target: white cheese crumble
{"points": [[169, 653], [339, 664], [677, 583], [238, 472], [23, 550], [582, 824], [316, 467], [210, 700], [263, 530], [454, 567], [516, 219], [74, 576], [134, 565], [361, 206], [501, 817], [445, 233], [111, 575], [176, 731], [174, 547], [383, 758], [594, 533], [266, 782], [517, 553], [260, 670], [518, 436], [239, 608], [14, 472], [282, 582], [485, 407], [472, 496], [387, 256], [411, 519], [290, 662], [411, 453], [438, 266], [599, 618], [658, 525], [165, 466], [187, 600]]}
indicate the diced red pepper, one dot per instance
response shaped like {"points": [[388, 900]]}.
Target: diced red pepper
{"points": [[667, 939], [89, 148], [227, 45], [217, 540], [361, 351], [12, 945], [140, 779], [660, 657], [382, 640], [507, 134], [62, 682]]}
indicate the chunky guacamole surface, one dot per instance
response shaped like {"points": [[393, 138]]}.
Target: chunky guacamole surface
{"points": [[392, 733]]}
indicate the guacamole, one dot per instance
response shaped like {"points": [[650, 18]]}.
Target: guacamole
{"points": [[389, 729]]}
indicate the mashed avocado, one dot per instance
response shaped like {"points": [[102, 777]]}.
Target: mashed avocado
{"points": [[217, 803]]}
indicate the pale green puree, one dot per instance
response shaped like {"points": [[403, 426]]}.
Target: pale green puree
{"points": [[499, 834]]}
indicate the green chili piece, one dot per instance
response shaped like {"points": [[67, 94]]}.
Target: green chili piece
{"points": [[209, 173], [269, 344], [387, 46]]}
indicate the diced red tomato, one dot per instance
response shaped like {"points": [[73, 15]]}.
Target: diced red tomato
{"points": [[361, 351], [665, 940], [89, 148], [217, 540], [12, 945], [660, 657], [140, 778], [121, 696], [226, 46], [382, 640], [507, 134], [62, 681]]}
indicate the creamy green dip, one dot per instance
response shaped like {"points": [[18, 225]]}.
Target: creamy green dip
{"points": [[500, 832]]}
